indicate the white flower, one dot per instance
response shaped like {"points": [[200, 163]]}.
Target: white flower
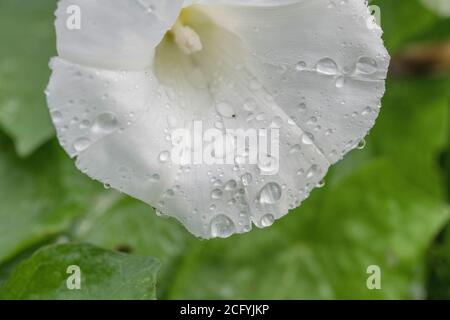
{"points": [[137, 70]]}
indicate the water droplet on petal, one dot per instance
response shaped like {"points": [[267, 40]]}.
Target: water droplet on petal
{"points": [[81, 144], [321, 184], [361, 144], [307, 139], [367, 65], [300, 66], [312, 172], [216, 194], [230, 185], [270, 193], [327, 66], [267, 220], [106, 122], [222, 226], [84, 124]]}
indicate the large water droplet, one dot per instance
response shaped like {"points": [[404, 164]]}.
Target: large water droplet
{"points": [[222, 226], [230, 185], [327, 66], [106, 122], [216, 194], [312, 172], [270, 193], [367, 65], [307, 139], [81, 144], [225, 110], [267, 220]]}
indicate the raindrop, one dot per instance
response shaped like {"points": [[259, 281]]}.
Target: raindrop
{"points": [[300, 66], [367, 65], [81, 144], [84, 124], [230, 185], [367, 111], [302, 106], [222, 226], [327, 66], [270, 193], [307, 139], [267, 220], [311, 121], [361, 144], [216, 194], [106, 122], [265, 164], [312, 172]]}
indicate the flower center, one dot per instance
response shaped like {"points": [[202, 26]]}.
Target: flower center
{"points": [[187, 40]]}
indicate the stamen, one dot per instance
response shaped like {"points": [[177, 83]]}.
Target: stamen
{"points": [[186, 38]]}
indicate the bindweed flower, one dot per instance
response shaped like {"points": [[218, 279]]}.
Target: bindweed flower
{"points": [[221, 114]]}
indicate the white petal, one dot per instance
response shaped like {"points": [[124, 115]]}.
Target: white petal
{"points": [[337, 104], [87, 104], [115, 34]]}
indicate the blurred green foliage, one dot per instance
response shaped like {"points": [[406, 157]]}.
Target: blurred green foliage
{"points": [[387, 205], [103, 275]]}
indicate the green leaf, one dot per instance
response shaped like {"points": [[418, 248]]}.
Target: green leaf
{"points": [[132, 226], [40, 197], [413, 129], [104, 275], [27, 35], [396, 18]]}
